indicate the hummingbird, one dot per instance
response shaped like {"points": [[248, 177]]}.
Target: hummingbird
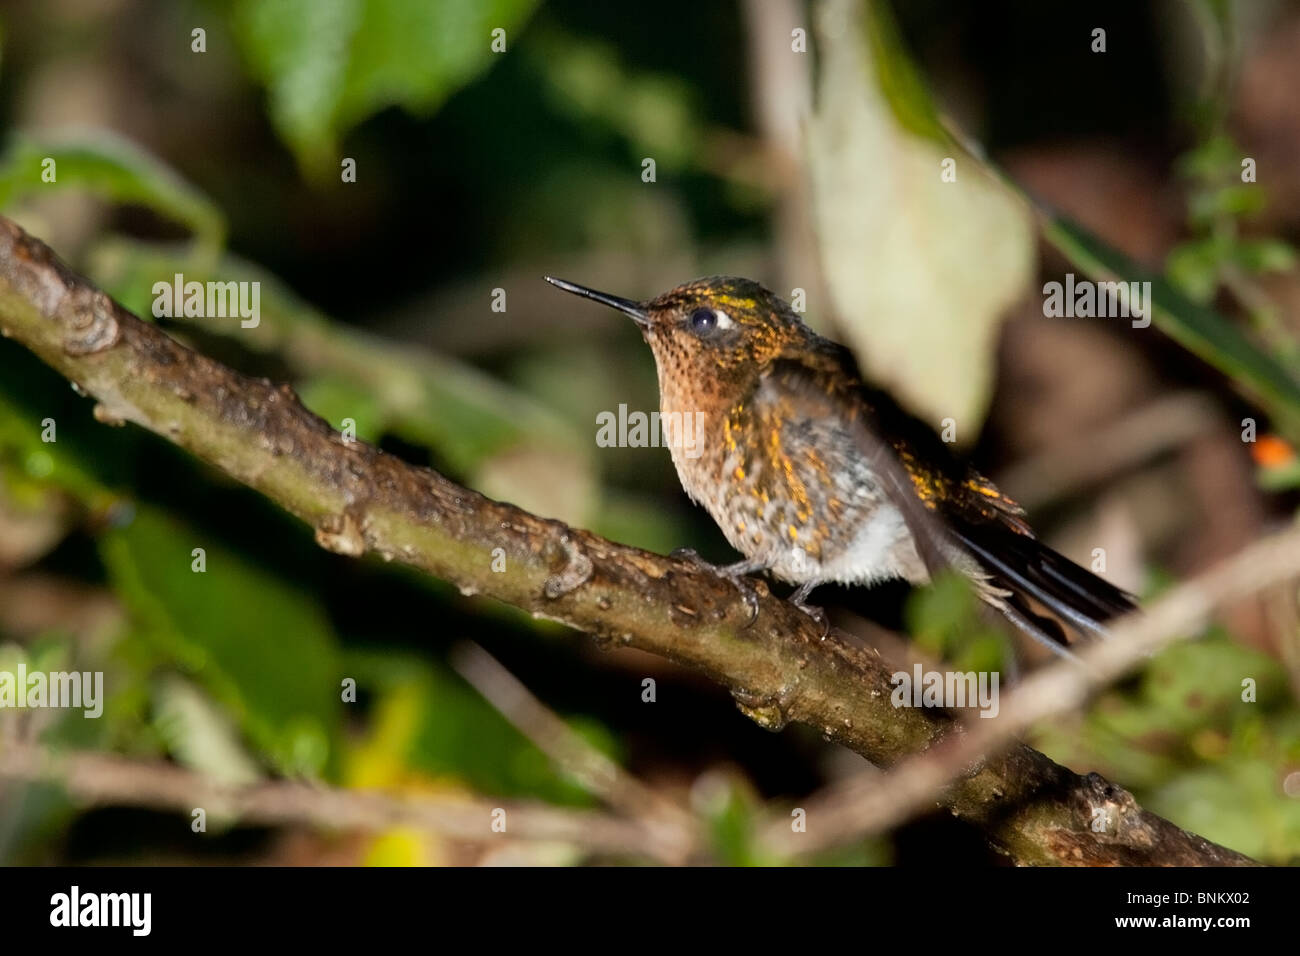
{"points": [[815, 476]]}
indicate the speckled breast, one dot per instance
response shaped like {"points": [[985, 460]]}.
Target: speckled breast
{"points": [[796, 494]]}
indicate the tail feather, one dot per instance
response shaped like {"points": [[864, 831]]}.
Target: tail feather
{"points": [[1029, 568]]}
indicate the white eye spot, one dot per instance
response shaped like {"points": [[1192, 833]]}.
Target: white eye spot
{"points": [[723, 320]]}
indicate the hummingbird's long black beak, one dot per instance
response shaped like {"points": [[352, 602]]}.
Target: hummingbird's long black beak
{"points": [[635, 309]]}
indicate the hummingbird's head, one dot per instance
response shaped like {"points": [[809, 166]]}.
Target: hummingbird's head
{"points": [[711, 330]]}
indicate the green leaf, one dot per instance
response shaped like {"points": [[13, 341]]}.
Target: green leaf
{"points": [[113, 169], [258, 645], [1193, 267], [944, 619], [729, 807], [1239, 200], [1215, 159], [900, 81], [337, 400], [1239, 804], [329, 64], [585, 78], [84, 461], [1279, 477], [936, 613], [432, 721], [1265, 255], [199, 733]]}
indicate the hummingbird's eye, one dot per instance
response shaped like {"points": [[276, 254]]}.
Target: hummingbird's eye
{"points": [[705, 320]]}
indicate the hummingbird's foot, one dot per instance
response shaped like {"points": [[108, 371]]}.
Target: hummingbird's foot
{"points": [[735, 573], [800, 600]]}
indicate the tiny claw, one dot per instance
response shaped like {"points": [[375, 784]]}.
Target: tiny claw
{"points": [[748, 595], [817, 614], [735, 573], [800, 600]]}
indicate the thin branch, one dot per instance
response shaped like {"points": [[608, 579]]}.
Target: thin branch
{"points": [[781, 97], [1139, 436], [360, 500], [97, 778], [593, 770]]}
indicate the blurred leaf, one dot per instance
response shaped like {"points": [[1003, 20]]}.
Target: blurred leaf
{"points": [[1139, 733], [260, 647], [431, 722], [1265, 255], [644, 522], [35, 477], [945, 619], [1215, 159], [403, 846], [1284, 477], [920, 271], [199, 734], [1239, 804], [873, 851], [656, 114], [902, 84], [1198, 683], [329, 64], [1182, 737], [33, 519], [113, 169], [84, 458], [729, 806], [1193, 268], [537, 479], [46, 655], [1206, 206], [59, 650], [337, 399], [1216, 192]]}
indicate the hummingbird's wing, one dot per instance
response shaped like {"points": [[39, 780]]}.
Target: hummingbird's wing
{"points": [[991, 527], [944, 500], [809, 389]]}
